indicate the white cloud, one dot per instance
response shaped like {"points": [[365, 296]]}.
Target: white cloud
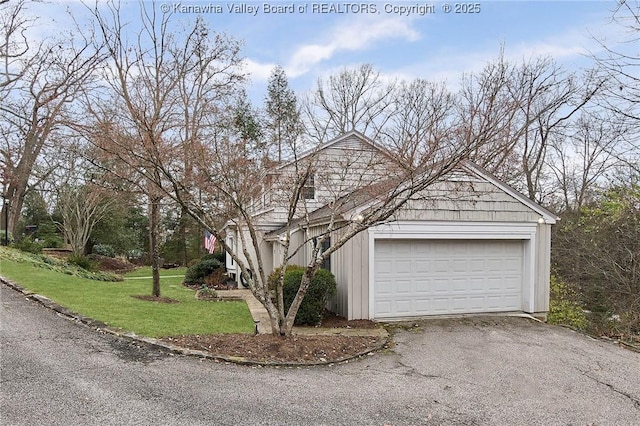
{"points": [[258, 71], [357, 35]]}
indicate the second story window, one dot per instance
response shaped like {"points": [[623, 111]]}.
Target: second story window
{"points": [[309, 188]]}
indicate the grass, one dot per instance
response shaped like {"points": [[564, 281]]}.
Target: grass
{"points": [[145, 271], [113, 304]]}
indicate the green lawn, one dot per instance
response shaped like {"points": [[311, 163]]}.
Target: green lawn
{"points": [[145, 271], [111, 302]]}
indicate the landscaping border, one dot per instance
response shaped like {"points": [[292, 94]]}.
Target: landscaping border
{"points": [[102, 327]]}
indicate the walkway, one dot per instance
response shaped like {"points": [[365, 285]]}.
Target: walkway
{"points": [[259, 313]]}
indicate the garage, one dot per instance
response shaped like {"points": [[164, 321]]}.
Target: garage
{"points": [[417, 277]]}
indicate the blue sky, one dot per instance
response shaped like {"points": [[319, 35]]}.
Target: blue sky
{"points": [[437, 46]]}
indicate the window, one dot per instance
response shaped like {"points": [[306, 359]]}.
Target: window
{"points": [[309, 188]]}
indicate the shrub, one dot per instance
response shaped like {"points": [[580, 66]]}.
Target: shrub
{"points": [[206, 293], [220, 256], [2, 234], [321, 289], [83, 261], [563, 307], [104, 250], [216, 279], [53, 241], [272, 279], [197, 273], [29, 245]]}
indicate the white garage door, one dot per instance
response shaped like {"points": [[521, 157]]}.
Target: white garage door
{"points": [[431, 277]]}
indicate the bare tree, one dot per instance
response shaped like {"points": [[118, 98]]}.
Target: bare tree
{"points": [[81, 208], [421, 118], [618, 66], [164, 85], [620, 60], [14, 45], [354, 99], [583, 156], [39, 88], [526, 105]]}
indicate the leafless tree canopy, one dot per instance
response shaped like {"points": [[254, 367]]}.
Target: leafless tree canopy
{"points": [[38, 91]]}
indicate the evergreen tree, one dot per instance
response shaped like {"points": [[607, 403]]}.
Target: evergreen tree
{"points": [[282, 122]]}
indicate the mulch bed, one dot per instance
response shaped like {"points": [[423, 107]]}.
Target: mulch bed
{"points": [[331, 320], [266, 348], [110, 264], [297, 349]]}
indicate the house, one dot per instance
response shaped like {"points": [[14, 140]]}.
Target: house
{"points": [[468, 244]]}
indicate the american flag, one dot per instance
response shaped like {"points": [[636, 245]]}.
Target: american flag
{"points": [[209, 241]]}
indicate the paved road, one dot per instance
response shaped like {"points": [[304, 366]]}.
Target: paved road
{"points": [[481, 371]]}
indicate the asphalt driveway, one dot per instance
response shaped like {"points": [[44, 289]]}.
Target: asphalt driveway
{"points": [[452, 372]]}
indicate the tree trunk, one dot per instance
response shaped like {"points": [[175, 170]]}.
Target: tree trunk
{"points": [[154, 243], [184, 223], [15, 195]]}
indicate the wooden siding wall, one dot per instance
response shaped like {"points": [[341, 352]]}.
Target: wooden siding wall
{"points": [[339, 170], [350, 265], [543, 268], [466, 201]]}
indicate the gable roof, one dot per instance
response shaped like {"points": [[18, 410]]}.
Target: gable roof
{"points": [[547, 215], [335, 141]]}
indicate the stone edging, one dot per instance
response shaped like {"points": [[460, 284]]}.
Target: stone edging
{"points": [[102, 327]]}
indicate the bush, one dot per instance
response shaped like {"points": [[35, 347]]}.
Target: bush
{"points": [[83, 261], [2, 234], [53, 241], [220, 256], [29, 245], [104, 250], [321, 289], [217, 278], [197, 273], [563, 307]]}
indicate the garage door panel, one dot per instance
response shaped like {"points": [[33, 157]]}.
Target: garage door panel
{"points": [[441, 305], [512, 300], [383, 288], [384, 267], [440, 285], [422, 305], [427, 277], [422, 288], [459, 285], [460, 265], [477, 265], [477, 285], [440, 266], [477, 303], [403, 287], [383, 308], [404, 306]]}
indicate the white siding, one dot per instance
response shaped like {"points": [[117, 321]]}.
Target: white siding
{"points": [[543, 269], [350, 265]]}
